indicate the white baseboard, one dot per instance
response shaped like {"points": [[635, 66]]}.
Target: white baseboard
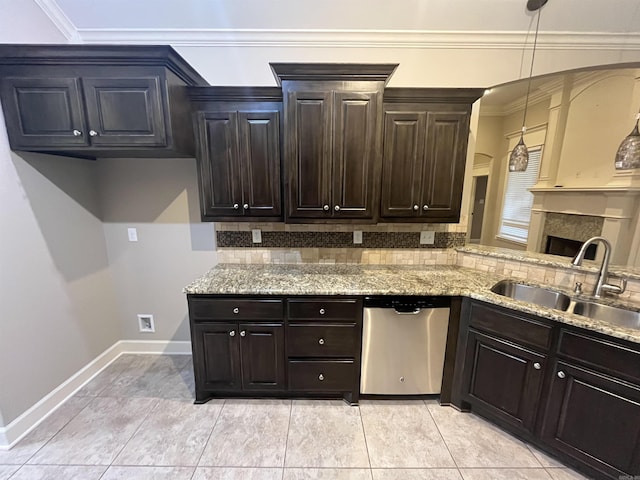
{"points": [[21, 426]]}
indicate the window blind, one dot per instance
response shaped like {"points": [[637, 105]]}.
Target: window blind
{"points": [[518, 200]]}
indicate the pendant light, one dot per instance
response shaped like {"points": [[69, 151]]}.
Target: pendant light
{"points": [[519, 158], [628, 155]]}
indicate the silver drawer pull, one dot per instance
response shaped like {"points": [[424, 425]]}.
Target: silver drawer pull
{"points": [[243, 333], [325, 208], [77, 133], [93, 133], [416, 207], [236, 206], [322, 311], [561, 374], [537, 366], [321, 377], [236, 310], [321, 341], [232, 333], [337, 208], [246, 206], [425, 207]]}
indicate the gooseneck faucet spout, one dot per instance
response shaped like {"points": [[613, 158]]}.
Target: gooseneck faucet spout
{"points": [[601, 284]]}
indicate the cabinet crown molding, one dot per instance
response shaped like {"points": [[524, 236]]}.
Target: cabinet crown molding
{"points": [[235, 94], [432, 95], [106, 55], [333, 71]]}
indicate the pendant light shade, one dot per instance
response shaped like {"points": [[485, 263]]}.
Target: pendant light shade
{"points": [[628, 155], [519, 158]]}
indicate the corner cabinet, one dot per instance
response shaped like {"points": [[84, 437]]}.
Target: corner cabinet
{"points": [[571, 392], [97, 101], [425, 146], [333, 140], [238, 152], [301, 346]]}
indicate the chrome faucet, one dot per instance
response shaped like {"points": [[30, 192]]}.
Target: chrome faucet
{"points": [[601, 285]]}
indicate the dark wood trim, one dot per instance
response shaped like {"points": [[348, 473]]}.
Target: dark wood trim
{"points": [[108, 55], [333, 71], [430, 95], [235, 94], [450, 353]]}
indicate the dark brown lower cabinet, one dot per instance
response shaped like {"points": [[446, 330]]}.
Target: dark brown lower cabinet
{"points": [[572, 392], [216, 347], [594, 418], [504, 379], [262, 354]]}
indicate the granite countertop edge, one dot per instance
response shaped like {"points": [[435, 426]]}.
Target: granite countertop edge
{"points": [[363, 280]]}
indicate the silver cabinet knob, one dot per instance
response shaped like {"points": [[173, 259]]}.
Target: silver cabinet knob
{"points": [[236, 206], [243, 333], [321, 341], [232, 333], [321, 377], [326, 208], [236, 310], [246, 206], [416, 207], [561, 374], [401, 379], [93, 133], [537, 366], [77, 133], [322, 311], [337, 208], [425, 207]]}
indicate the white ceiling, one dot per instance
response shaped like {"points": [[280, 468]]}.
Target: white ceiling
{"points": [[606, 16]]}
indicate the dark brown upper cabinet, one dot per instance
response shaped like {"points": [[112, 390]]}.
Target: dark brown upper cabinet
{"points": [[333, 140], [97, 101], [425, 146], [238, 152]]}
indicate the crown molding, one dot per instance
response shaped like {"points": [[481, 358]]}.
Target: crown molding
{"points": [[52, 10], [361, 38]]}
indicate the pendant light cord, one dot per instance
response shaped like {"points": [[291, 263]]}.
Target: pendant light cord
{"points": [[533, 56]]}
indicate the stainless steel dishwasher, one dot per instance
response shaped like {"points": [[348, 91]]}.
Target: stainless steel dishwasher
{"points": [[403, 345]]}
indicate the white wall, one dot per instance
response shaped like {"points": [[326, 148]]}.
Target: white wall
{"points": [[158, 197]]}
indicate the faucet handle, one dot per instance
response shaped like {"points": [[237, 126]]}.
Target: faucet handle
{"points": [[615, 289]]}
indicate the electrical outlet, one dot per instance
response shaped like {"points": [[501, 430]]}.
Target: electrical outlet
{"points": [[133, 234], [256, 235], [146, 323], [427, 237], [357, 237]]}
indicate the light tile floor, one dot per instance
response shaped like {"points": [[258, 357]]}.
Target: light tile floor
{"points": [[136, 420]]}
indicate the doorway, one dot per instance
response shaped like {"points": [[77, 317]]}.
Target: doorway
{"points": [[477, 214]]}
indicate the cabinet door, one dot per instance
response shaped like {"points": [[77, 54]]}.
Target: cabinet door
{"points": [[595, 419], [219, 168], [125, 111], [259, 150], [446, 150], [216, 356], [356, 154], [43, 112], [308, 154], [502, 379], [263, 361], [403, 157]]}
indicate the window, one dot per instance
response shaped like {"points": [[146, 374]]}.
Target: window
{"points": [[518, 200]]}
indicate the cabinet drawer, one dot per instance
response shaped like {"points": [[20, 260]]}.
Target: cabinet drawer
{"points": [[603, 355], [330, 376], [235, 309], [321, 309], [322, 340], [516, 328]]}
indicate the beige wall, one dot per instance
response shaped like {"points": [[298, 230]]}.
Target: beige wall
{"points": [[158, 197]]}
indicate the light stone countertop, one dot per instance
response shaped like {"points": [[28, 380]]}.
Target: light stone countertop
{"points": [[358, 279]]}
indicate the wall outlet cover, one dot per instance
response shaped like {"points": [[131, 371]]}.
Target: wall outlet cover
{"points": [[146, 323], [132, 234], [357, 237], [256, 235], [427, 237]]}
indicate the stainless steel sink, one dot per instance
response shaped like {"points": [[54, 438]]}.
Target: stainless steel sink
{"points": [[617, 316], [530, 293]]}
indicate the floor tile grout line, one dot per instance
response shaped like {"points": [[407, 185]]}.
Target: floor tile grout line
{"points": [[366, 444], [151, 410], [224, 404], [443, 439], [286, 442], [534, 455]]}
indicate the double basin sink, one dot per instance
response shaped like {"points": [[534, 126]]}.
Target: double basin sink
{"points": [[559, 301]]}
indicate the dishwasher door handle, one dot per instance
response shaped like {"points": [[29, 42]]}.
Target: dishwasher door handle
{"points": [[413, 312]]}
